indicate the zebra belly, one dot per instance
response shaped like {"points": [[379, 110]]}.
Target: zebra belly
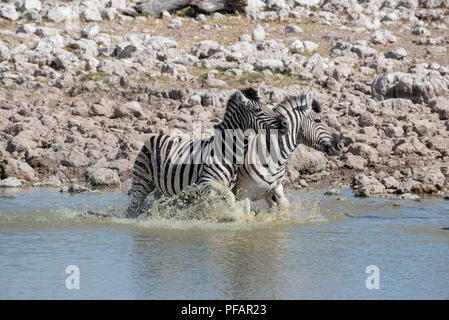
{"points": [[254, 190]]}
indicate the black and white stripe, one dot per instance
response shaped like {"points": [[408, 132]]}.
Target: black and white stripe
{"points": [[261, 174], [171, 164]]}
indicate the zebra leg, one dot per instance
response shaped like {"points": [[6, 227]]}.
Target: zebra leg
{"points": [[238, 193], [247, 206], [277, 198], [141, 187]]}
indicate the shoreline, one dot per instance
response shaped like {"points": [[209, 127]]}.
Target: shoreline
{"points": [[78, 96]]}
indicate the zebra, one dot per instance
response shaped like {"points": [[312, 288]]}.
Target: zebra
{"points": [[172, 164], [260, 175]]}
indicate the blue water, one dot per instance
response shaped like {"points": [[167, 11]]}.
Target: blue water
{"points": [[319, 250]]}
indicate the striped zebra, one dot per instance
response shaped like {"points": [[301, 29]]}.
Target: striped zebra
{"points": [[260, 175], [172, 164]]}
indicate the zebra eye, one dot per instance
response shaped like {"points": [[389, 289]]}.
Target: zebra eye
{"points": [[257, 108], [317, 120]]}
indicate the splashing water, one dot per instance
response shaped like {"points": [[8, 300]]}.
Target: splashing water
{"points": [[192, 205]]}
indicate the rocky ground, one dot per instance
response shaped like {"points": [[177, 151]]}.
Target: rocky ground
{"points": [[83, 83]]}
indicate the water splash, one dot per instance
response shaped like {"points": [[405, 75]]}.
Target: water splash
{"points": [[192, 206], [184, 211]]}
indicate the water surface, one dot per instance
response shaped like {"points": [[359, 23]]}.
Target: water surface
{"points": [[318, 250]]}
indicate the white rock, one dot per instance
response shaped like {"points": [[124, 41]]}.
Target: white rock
{"points": [[201, 17], [245, 37], [90, 30], [91, 14], [297, 47], [383, 36], [309, 3], [49, 44], [59, 14], [4, 52], [291, 28], [409, 4], [10, 183], [109, 13], [117, 4], [91, 63], [131, 108], [102, 177], [258, 33], [29, 28], [397, 54], [194, 100], [18, 169], [8, 11], [310, 46], [25, 5], [271, 64], [175, 24], [165, 14]]}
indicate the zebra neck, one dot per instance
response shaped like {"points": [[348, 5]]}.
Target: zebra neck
{"points": [[226, 124], [288, 144]]}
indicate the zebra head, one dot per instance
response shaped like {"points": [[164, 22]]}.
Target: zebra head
{"points": [[245, 111], [306, 125]]}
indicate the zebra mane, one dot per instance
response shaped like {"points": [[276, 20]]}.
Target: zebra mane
{"points": [[299, 102], [251, 94]]}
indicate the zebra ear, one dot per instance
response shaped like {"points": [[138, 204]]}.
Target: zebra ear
{"points": [[309, 100], [240, 97]]}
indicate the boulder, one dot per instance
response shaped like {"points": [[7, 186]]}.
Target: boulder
{"points": [[367, 119], [440, 105], [271, 64], [102, 177], [156, 7], [117, 4], [292, 28], [307, 161], [390, 182], [408, 186], [210, 6], [10, 183], [91, 13], [409, 146], [59, 13], [383, 37], [396, 54], [206, 48], [90, 30], [258, 33], [365, 186], [310, 46], [297, 47], [365, 151], [430, 176], [25, 5], [355, 162], [130, 109], [15, 168], [175, 24], [8, 11], [418, 88]]}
